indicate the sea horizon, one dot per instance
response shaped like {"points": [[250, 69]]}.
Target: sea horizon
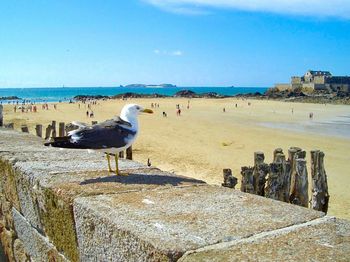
{"points": [[56, 94]]}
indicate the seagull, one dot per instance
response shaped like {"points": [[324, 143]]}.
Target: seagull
{"points": [[111, 136]]}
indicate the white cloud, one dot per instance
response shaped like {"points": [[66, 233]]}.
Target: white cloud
{"points": [[177, 53], [170, 53], [316, 8]]}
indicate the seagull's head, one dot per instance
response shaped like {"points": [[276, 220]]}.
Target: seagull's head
{"points": [[132, 110]]}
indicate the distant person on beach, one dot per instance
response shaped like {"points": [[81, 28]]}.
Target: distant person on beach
{"points": [[87, 113], [15, 109], [91, 114], [236, 105], [311, 115], [178, 112], [224, 110], [164, 114]]}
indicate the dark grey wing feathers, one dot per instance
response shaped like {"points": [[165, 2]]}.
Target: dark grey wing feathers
{"points": [[110, 133]]}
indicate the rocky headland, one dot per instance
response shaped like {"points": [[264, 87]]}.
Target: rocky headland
{"points": [[320, 97], [10, 98], [305, 96], [182, 93]]}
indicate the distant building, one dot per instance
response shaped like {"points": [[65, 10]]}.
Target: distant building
{"points": [[318, 80]]}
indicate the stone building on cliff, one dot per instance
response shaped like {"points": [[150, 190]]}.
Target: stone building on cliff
{"points": [[318, 80]]}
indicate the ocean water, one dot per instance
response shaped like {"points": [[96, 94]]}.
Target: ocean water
{"points": [[67, 93]]}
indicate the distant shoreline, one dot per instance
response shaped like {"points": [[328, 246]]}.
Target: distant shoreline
{"points": [[244, 93]]}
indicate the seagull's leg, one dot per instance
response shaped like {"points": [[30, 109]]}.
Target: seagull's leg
{"points": [[116, 163], [109, 163]]}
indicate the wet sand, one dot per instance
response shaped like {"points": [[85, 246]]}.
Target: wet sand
{"points": [[204, 139]]}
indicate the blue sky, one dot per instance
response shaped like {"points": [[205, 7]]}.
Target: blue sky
{"points": [[184, 42]]}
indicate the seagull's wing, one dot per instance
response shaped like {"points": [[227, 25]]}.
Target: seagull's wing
{"points": [[111, 133]]}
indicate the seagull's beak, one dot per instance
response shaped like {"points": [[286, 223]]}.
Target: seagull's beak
{"points": [[149, 111]]}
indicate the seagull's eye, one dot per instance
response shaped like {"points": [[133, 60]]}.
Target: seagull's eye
{"points": [[138, 108]]}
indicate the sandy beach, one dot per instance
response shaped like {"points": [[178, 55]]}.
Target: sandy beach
{"points": [[204, 139]]}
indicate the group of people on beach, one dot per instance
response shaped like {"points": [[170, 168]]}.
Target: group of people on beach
{"points": [[25, 109], [31, 107], [154, 105]]}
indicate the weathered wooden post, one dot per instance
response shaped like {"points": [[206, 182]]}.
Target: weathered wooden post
{"points": [[129, 153], [1, 116], [93, 122], [290, 176], [320, 196], [274, 185], [229, 180], [260, 172], [48, 132], [61, 129], [299, 187], [247, 183], [284, 179], [279, 180], [53, 127], [276, 152], [24, 129], [121, 154], [39, 130]]}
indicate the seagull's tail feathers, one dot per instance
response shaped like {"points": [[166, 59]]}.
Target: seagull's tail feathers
{"points": [[63, 142]]}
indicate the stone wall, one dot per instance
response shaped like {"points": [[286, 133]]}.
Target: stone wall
{"points": [[62, 205]]}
